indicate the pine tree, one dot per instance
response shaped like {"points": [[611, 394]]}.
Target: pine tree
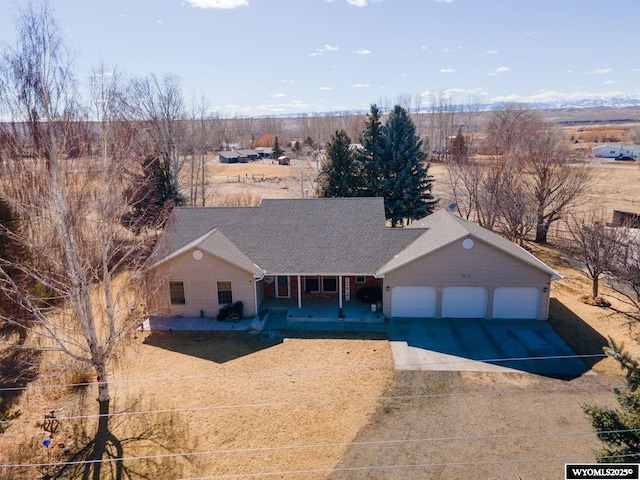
{"points": [[404, 178], [276, 151], [151, 195], [341, 174], [369, 156], [459, 148], [618, 428]]}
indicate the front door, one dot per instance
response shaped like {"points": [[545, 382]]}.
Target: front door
{"points": [[283, 287]]}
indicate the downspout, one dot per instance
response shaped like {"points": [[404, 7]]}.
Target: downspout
{"points": [[340, 292], [256, 279], [299, 292]]}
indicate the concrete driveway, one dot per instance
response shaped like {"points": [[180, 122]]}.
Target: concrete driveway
{"points": [[482, 345]]}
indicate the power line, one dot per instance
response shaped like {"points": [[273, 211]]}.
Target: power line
{"points": [[290, 371], [324, 445], [385, 398]]}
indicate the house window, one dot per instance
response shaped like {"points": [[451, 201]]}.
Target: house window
{"points": [[311, 285], [360, 280], [176, 293], [224, 293], [329, 284]]}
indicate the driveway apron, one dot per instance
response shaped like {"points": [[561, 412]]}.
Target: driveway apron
{"points": [[482, 345]]}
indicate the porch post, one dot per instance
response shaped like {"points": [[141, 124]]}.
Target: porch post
{"points": [[340, 291], [255, 294], [299, 292]]}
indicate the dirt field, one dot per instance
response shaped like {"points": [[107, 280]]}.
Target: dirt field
{"points": [[332, 407]]}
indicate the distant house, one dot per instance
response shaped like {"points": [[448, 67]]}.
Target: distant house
{"points": [[264, 152], [238, 156], [250, 155], [283, 160], [616, 151], [300, 252], [230, 156]]}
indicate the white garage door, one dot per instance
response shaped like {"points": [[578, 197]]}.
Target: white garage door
{"points": [[464, 302], [516, 302], [413, 302]]}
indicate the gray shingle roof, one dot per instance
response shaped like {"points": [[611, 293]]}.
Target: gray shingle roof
{"points": [[324, 236], [312, 236], [443, 227]]}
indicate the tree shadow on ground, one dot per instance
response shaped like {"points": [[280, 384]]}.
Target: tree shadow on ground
{"points": [[578, 334], [18, 365], [113, 449], [207, 345]]}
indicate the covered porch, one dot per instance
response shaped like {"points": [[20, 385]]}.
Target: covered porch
{"points": [[323, 310], [320, 298]]}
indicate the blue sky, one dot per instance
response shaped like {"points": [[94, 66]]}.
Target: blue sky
{"points": [[262, 57]]}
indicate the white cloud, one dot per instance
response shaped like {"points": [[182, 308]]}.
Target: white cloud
{"points": [[238, 108], [498, 71], [423, 47], [159, 22], [610, 82], [326, 88], [447, 70], [362, 51], [288, 81], [635, 70], [324, 48], [223, 4], [531, 33], [452, 92], [490, 52], [360, 85], [283, 107], [601, 71], [443, 1], [278, 95], [358, 3]]}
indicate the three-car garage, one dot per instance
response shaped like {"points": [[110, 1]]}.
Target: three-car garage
{"points": [[465, 302]]}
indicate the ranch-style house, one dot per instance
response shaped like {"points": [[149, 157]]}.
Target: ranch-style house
{"points": [[303, 251]]}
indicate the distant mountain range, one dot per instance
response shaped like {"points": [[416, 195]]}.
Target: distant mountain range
{"points": [[615, 102], [609, 102]]}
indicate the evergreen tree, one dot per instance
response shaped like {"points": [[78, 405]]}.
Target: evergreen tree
{"points": [[459, 148], [404, 178], [369, 156], [151, 195], [618, 428], [341, 174], [276, 151]]}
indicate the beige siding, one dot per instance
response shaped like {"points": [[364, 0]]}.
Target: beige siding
{"points": [[480, 266], [200, 278]]}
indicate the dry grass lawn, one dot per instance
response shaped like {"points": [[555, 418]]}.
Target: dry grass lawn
{"points": [[331, 407]]}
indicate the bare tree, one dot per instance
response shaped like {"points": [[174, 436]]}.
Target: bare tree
{"points": [[513, 200], [597, 247], [508, 125], [198, 129], [70, 218], [159, 104], [556, 184]]}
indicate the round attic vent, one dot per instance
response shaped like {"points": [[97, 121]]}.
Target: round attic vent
{"points": [[197, 254], [467, 244]]}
